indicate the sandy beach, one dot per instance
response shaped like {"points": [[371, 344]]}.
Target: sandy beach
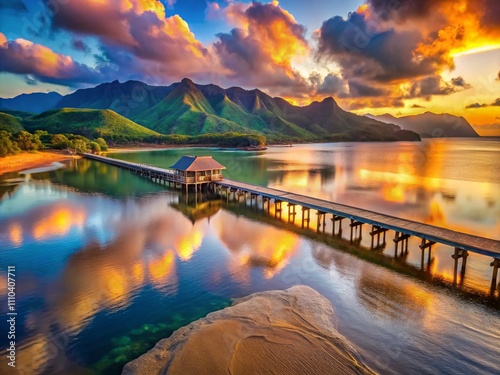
{"points": [[28, 160], [288, 331]]}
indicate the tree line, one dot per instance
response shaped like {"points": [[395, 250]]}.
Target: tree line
{"points": [[13, 143]]}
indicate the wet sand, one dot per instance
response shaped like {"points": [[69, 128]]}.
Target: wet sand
{"points": [[29, 160], [276, 332]]}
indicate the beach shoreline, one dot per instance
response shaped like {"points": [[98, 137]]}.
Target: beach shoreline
{"points": [[29, 160]]}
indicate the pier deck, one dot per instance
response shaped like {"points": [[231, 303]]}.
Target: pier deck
{"points": [[449, 237]]}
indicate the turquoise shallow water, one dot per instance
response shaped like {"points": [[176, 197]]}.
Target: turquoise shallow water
{"points": [[108, 263]]}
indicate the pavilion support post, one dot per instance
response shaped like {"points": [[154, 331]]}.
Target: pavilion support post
{"points": [[496, 265]]}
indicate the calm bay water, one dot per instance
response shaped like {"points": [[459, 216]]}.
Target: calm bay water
{"points": [[108, 263]]}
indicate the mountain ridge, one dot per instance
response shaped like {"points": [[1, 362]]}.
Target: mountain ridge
{"points": [[34, 102], [188, 108], [431, 125]]}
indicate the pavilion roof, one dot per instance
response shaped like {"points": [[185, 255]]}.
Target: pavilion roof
{"points": [[196, 164]]}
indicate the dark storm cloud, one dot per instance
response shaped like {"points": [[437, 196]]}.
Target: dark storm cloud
{"points": [[402, 10], [427, 87], [360, 90], [333, 85], [381, 57]]}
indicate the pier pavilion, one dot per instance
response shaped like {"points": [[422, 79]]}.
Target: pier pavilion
{"points": [[197, 170]]}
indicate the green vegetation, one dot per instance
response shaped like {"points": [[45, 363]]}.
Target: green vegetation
{"points": [[233, 140], [90, 123], [29, 142], [10, 123], [20, 114], [11, 144], [8, 145]]}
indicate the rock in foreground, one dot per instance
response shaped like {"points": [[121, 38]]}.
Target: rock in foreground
{"points": [[276, 332]]}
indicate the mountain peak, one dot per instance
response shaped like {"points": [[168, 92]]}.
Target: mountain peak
{"points": [[187, 81], [329, 101]]}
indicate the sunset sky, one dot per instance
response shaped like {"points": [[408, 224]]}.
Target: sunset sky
{"points": [[378, 56]]}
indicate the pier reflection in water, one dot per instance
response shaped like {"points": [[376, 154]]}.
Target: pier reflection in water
{"points": [[110, 263]]}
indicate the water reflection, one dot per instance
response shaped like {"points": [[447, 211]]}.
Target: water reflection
{"points": [[414, 181], [387, 299], [105, 252], [253, 244]]}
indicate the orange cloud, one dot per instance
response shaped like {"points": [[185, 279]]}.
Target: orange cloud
{"points": [[262, 48], [22, 56]]}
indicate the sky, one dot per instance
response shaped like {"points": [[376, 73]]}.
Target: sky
{"points": [[373, 56]]}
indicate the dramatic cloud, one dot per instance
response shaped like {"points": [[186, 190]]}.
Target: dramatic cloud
{"points": [[399, 48], [427, 87], [495, 103], [21, 56], [333, 85], [139, 33], [417, 106], [383, 57], [260, 50]]}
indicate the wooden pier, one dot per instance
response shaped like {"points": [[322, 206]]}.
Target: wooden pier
{"points": [[462, 243], [429, 235]]}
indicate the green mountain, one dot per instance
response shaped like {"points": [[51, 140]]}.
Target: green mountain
{"points": [[91, 123], [127, 99], [431, 125], [10, 123], [190, 109]]}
